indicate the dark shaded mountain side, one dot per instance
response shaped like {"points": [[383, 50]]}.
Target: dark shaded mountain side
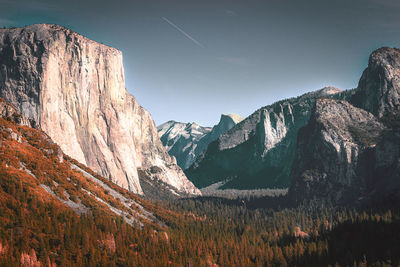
{"points": [[239, 170], [334, 153], [378, 90], [259, 151], [351, 155], [386, 163]]}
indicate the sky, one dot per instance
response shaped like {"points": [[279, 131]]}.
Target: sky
{"points": [[192, 60]]}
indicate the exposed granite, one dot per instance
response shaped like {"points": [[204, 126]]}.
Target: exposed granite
{"points": [[74, 89]]}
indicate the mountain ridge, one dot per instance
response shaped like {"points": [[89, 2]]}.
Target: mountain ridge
{"points": [[258, 151], [185, 141], [354, 157]]}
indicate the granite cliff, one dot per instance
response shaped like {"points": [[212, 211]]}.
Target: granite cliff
{"points": [[31, 158], [258, 152], [185, 141], [379, 88], [73, 88], [334, 152], [350, 152]]}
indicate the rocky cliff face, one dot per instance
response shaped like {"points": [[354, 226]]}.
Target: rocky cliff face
{"points": [[379, 87], [259, 151], [334, 152], [74, 89], [185, 141], [348, 154], [30, 157]]}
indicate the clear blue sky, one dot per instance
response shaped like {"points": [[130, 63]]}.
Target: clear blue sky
{"points": [[192, 60]]}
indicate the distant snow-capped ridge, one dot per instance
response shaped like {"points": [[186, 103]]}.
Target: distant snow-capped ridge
{"points": [[185, 141]]}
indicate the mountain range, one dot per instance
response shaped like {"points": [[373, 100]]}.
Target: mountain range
{"points": [[258, 152], [349, 151], [185, 141], [73, 89], [341, 146], [86, 178]]}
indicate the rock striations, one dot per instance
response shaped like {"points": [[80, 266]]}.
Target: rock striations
{"points": [[379, 87], [350, 152], [74, 89], [185, 141], [258, 152], [334, 151], [29, 157]]}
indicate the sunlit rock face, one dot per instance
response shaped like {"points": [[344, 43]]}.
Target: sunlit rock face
{"points": [[258, 152], [74, 89], [185, 141]]}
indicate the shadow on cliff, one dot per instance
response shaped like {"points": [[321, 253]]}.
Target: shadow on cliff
{"points": [[243, 168]]}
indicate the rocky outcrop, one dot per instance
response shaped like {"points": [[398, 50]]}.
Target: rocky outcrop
{"points": [[379, 87], [334, 153], [10, 113], [258, 152], [185, 141], [74, 89], [349, 153]]}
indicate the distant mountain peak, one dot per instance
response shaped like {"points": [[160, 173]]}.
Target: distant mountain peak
{"points": [[185, 141], [329, 90], [234, 117]]}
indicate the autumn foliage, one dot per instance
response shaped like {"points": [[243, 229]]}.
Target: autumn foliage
{"points": [[38, 229]]}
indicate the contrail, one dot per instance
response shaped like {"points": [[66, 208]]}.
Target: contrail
{"points": [[183, 32]]}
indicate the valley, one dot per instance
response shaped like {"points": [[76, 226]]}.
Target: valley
{"points": [[87, 179]]}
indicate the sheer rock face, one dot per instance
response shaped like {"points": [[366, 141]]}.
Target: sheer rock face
{"points": [[350, 153], [74, 89], [258, 152], [379, 87], [334, 153], [185, 141]]}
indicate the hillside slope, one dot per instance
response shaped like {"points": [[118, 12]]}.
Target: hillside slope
{"points": [[53, 208]]}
